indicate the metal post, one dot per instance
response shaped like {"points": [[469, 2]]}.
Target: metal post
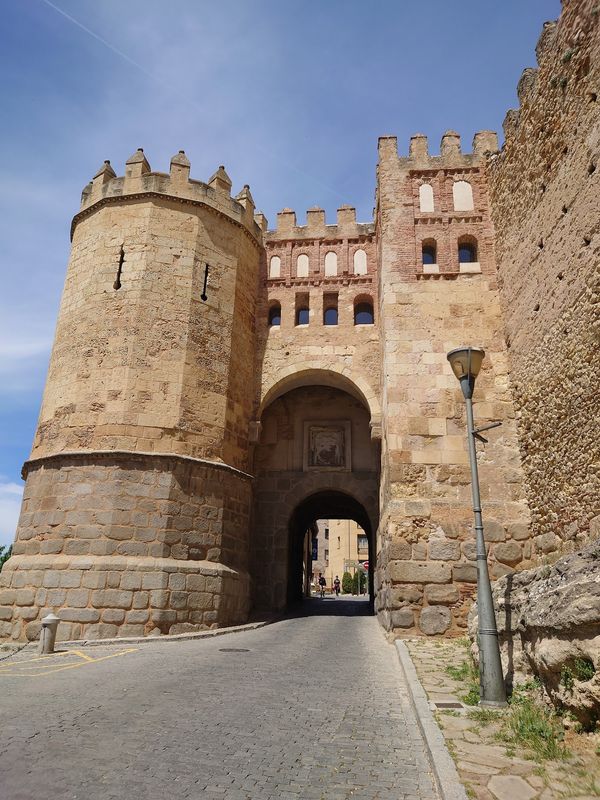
{"points": [[492, 690]]}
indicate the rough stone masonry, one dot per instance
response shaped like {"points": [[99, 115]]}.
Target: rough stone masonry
{"points": [[215, 385]]}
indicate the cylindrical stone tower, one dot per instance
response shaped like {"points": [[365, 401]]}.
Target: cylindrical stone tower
{"points": [[135, 513]]}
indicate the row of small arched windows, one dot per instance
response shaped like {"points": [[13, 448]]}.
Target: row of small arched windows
{"points": [[467, 251], [462, 196], [359, 264], [363, 313]]}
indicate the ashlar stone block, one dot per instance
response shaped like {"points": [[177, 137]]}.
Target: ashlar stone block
{"points": [[441, 594], [419, 572], [508, 552], [444, 549], [435, 620]]}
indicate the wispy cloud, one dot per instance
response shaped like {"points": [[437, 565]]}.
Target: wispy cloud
{"points": [[10, 506]]}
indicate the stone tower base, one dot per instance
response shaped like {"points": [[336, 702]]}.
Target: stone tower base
{"points": [[128, 544], [98, 597]]}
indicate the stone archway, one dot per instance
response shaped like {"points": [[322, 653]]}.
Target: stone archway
{"points": [[326, 504], [289, 469]]}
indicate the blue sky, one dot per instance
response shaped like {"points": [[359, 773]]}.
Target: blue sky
{"points": [[291, 97]]}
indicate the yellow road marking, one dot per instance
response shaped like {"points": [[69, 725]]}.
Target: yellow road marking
{"points": [[14, 670], [40, 658]]}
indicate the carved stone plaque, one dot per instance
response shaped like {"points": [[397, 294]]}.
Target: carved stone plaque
{"points": [[327, 445]]}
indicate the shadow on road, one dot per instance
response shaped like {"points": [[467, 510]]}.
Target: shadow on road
{"points": [[332, 607]]}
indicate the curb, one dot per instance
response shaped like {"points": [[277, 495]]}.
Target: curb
{"points": [[178, 637], [444, 771]]}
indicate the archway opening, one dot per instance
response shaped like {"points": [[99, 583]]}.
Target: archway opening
{"points": [[330, 536], [315, 459]]}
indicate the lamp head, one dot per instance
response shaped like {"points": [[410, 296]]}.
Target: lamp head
{"points": [[466, 363]]}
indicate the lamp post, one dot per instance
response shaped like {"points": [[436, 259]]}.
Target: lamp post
{"points": [[466, 363]]}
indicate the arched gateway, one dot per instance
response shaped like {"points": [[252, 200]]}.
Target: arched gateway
{"points": [[315, 459], [188, 433], [331, 505]]}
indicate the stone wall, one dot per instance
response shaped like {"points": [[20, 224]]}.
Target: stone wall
{"points": [[426, 553], [545, 190], [150, 366], [128, 545], [142, 442]]}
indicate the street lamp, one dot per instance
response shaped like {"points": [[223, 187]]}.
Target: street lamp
{"points": [[466, 363]]}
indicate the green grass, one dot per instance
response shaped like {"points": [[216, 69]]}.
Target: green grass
{"points": [[484, 715], [461, 673], [532, 726], [466, 673]]}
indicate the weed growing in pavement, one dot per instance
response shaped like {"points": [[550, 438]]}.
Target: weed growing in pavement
{"points": [[532, 725], [592, 787], [472, 697], [467, 673], [484, 715]]}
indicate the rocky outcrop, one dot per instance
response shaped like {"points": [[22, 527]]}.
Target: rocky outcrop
{"points": [[549, 627]]}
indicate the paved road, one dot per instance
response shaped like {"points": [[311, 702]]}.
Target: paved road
{"points": [[311, 709]]}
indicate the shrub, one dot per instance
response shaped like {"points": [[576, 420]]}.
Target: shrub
{"points": [[347, 583]]}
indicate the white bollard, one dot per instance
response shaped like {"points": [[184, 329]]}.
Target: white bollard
{"points": [[48, 633]]}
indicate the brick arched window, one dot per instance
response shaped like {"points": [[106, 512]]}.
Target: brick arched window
{"points": [[302, 266], [462, 194], [426, 197], [360, 262], [331, 263], [275, 267]]}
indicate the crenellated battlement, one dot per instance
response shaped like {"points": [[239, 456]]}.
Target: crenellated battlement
{"points": [[451, 155], [345, 227], [140, 179]]}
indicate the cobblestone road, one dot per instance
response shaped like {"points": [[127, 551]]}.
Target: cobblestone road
{"points": [[313, 707]]}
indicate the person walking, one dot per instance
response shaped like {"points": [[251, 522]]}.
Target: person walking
{"points": [[322, 583], [336, 586]]}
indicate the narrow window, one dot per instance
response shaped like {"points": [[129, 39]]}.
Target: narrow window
{"points": [[275, 315], [330, 308], [302, 315], [204, 296], [363, 313], [360, 262], [467, 252], [302, 308], [330, 316], [117, 283], [462, 194], [426, 197], [428, 252], [302, 265], [330, 263], [275, 267]]}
